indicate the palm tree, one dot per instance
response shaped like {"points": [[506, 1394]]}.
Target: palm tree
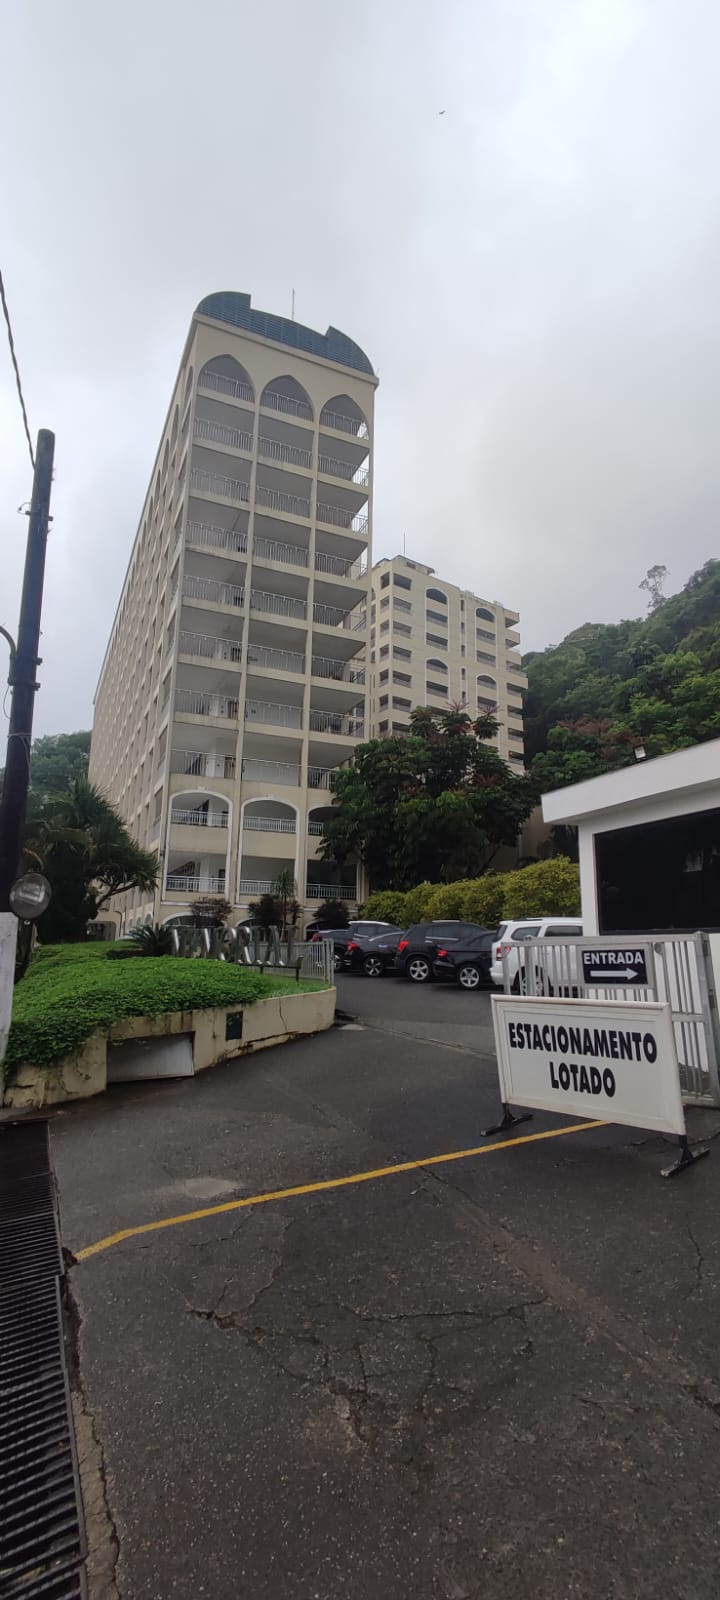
{"points": [[284, 889], [85, 850]]}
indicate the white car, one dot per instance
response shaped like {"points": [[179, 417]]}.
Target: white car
{"points": [[511, 934]]}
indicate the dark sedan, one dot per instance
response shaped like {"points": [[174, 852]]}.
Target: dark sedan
{"points": [[373, 956], [468, 963], [418, 948]]}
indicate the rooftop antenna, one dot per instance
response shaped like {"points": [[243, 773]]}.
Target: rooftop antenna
{"points": [[292, 309], [403, 543]]}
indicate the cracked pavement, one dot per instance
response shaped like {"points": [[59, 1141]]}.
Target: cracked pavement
{"points": [[498, 1378]]}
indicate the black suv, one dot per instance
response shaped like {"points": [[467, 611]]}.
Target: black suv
{"points": [[468, 962], [418, 949], [341, 937]]}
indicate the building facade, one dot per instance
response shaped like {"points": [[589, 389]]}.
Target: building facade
{"points": [[233, 685], [434, 644]]}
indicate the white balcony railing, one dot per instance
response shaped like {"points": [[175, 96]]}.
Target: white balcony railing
{"points": [[330, 891], [225, 594], [195, 884], [256, 824], [331, 616], [291, 505], [271, 771], [198, 704], [222, 385], [199, 819], [209, 536], [256, 886], [216, 483], [261, 655], [338, 567], [294, 555], [280, 716], [341, 517], [341, 671], [322, 777], [206, 647], [287, 404], [202, 764], [218, 433], [315, 829], [279, 605], [348, 727], [343, 424], [290, 454], [344, 469]]}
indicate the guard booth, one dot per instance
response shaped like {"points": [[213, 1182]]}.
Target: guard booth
{"points": [[649, 853]]}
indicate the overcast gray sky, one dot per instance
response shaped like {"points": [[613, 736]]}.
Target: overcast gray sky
{"points": [[534, 275]]}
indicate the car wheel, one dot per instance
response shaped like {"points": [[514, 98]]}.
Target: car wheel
{"points": [[418, 969], [519, 983], [338, 961], [372, 967], [468, 977]]}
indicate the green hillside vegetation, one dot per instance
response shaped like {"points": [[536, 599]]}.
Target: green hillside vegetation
{"points": [[611, 686]]}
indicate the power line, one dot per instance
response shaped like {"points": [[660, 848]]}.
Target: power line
{"points": [[11, 343]]}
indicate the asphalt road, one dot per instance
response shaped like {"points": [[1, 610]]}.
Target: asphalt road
{"points": [[495, 1377]]}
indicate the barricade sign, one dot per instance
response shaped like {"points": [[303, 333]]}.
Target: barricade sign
{"points": [[599, 1059], [614, 968]]}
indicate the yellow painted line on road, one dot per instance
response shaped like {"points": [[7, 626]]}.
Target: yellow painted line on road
{"points": [[329, 1183]]}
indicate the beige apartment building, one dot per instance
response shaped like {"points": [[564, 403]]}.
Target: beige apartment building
{"points": [[233, 685], [434, 644]]}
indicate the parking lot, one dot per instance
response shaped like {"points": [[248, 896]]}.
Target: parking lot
{"points": [[487, 1374]]}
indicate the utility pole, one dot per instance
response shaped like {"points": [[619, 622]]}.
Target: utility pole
{"points": [[22, 679]]}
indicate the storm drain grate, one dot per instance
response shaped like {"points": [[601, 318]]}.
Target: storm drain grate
{"points": [[42, 1542]]}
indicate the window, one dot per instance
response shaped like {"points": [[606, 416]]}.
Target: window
{"points": [[401, 627], [436, 688], [484, 655], [383, 727], [401, 654], [401, 677], [563, 930], [530, 932], [384, 581], [514, 688], [385, 675], [511, 666], [440, 666], [382, 702], [385, 602], [384, 651], [635, 896], [513, 734], [402, 605], [435, 616], [385, 626], [482, 611], [400, 727], [515, 756], [512, 712], [434, 638], [399, 704], [402, 583], [485, 705], [484, 633], [437, 594]]}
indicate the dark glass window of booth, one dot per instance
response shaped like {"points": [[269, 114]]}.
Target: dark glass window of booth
{"points": [[660, 877]]}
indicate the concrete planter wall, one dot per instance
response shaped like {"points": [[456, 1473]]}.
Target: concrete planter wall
{"points": [[264, 1023]]}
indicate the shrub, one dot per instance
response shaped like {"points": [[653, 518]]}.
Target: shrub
{"points": [[332, 914], [70, 990], [482, 899], [445, 900], [545, 889], [388, 905], [416, 904], [153, 940]]}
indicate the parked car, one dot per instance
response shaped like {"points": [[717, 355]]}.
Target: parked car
{"points": [[468, 962], [373, 956], [341, 936], [511, 934], [418, 948]]}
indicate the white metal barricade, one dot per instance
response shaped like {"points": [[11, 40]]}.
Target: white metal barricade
{"points": [[678, 970]]}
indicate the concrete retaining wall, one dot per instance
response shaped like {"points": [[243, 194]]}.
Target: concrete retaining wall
{"points": [[264, 1023]]}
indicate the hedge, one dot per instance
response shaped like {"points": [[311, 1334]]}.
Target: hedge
{"points": [[70, 990], [545, 889]]}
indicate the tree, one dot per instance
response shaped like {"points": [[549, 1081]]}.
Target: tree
{"points": [[82, 845], [579, 750], [285, 890], [265, 912], [210, 911], [435, 805], [653, 583], [332, 914], [57, 759]]}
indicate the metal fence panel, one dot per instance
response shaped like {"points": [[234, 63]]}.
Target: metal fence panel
{"points": [[680, 974]]}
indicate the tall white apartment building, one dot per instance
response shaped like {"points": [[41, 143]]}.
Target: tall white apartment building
{"points": [[434, 644], [233, 685]]}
